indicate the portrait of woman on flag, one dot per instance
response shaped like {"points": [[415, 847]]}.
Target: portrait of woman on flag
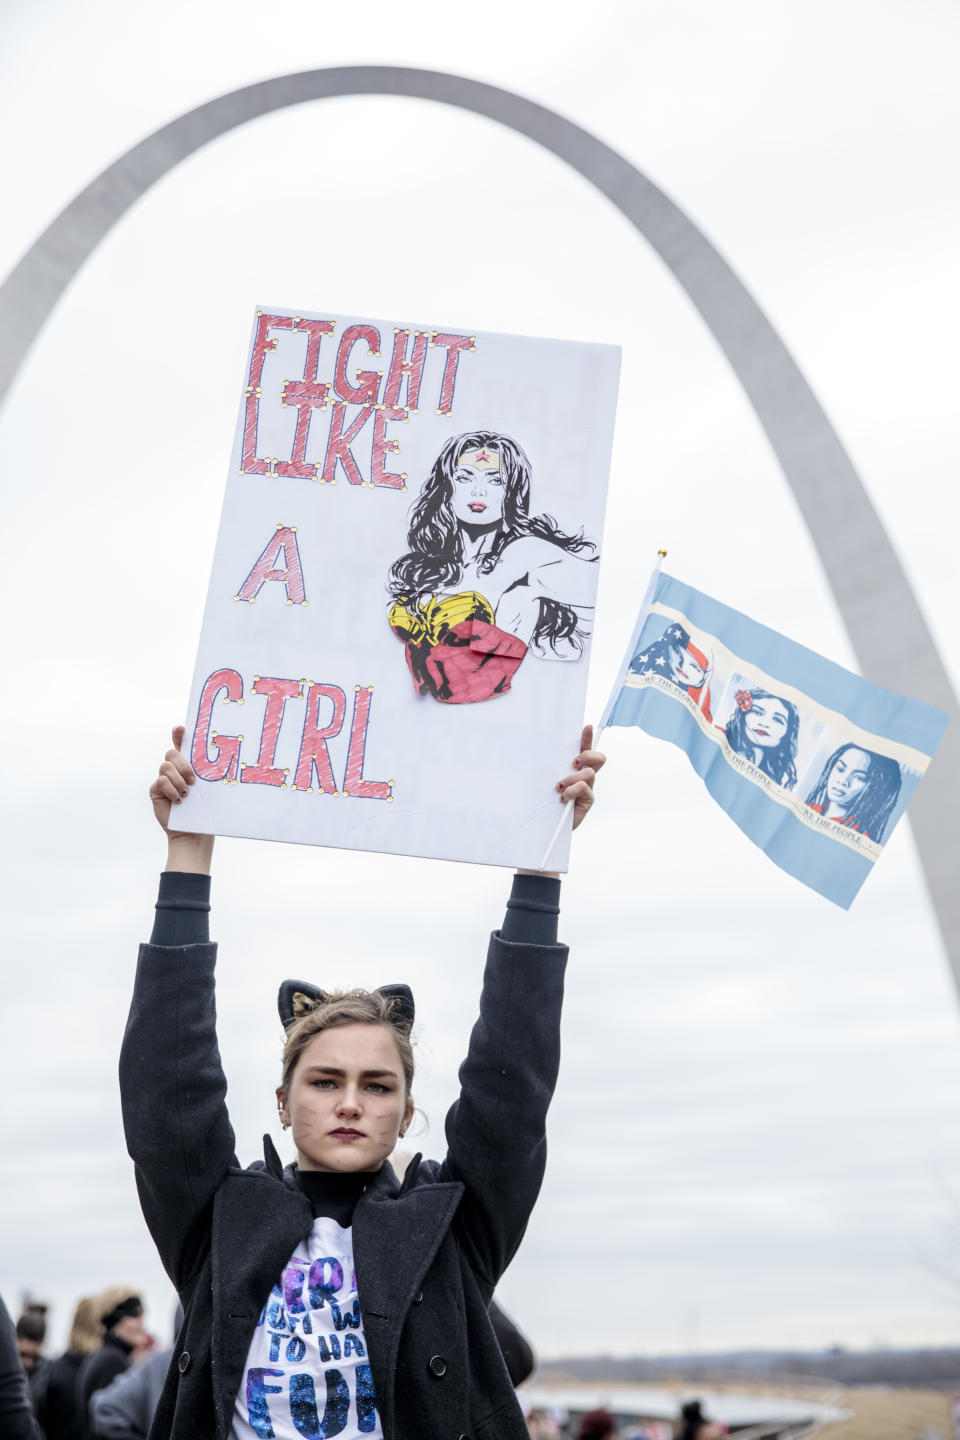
{"points": [[764, 729], [676, 658], [484, 581], [859, 789]]}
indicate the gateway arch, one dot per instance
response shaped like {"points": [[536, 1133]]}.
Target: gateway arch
{"points": [[889, 634]]}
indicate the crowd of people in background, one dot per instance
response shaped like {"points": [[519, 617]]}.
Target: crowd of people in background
{"points": [[104, 1386], [602, 1424]]}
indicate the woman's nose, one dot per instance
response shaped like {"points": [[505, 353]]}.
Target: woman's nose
{"points": [[350, 1100]]}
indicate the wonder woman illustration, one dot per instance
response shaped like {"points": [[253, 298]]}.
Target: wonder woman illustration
{"points": [[858, 788], [484, 581], [676, 658]]}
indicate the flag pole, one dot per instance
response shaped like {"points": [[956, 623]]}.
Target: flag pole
{"points": [[567, 811]]}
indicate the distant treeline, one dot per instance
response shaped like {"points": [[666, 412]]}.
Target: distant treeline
{"points": [[930, 1369]]}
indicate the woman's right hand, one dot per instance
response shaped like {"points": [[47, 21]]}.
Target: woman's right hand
{"points": [[185, 850]]}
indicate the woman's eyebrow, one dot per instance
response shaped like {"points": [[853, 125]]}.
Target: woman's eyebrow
{"points": [[334, 1070]]}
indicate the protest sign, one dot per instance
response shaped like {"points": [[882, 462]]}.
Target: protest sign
{"points": [[394, 648], [813, 763]]}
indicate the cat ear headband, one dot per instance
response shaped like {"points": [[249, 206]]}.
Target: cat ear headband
{"points": [[298, 997]]}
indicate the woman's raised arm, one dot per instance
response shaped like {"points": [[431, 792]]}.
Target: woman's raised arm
{"points": [[171, 1082], [496, 1130]]}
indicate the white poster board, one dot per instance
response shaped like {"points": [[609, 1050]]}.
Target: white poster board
{"points": [[395, 643]]}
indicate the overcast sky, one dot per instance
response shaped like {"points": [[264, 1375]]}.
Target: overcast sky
{"points": [[755, 1137]]}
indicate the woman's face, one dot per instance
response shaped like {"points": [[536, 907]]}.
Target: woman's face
{"points": [[347, 1100], [130, 1329], [478, 486], [765, 723], [848, 778], [685, 670]]}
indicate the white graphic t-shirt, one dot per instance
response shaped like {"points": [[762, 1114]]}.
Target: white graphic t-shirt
{"points": [[307, 1376]]}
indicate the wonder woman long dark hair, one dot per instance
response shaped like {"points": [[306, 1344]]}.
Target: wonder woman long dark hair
{"points": [[434, 562]]}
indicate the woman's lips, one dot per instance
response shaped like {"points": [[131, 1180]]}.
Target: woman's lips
{"points": [[477, 507], [348, 1134]]}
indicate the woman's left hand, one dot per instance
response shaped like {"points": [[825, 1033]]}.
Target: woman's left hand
{"points": [[578, 787]]}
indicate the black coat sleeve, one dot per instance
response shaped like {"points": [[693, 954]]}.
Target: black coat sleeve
{"points": [[496, 1130], [173, 1095]]}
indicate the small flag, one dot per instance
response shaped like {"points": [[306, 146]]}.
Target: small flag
{"points": [[814, 764]]}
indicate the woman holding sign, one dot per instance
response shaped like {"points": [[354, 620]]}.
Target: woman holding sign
{"points": [[484, 581], [327, 1299]]}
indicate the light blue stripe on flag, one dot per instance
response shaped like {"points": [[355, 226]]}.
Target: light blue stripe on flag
{"points": [[813, 763]]}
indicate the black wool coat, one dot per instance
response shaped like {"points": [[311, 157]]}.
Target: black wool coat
{"points": [[428, 1253]]}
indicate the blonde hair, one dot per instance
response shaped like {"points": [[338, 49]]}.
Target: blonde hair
{"points": [[86, 1332], [348, 1007]]}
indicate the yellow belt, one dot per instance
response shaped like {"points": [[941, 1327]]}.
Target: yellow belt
{"points": [[432, 620]]}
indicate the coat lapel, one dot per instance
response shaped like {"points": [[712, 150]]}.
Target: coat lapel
{"points": [[395, 1239], [258, 1222]]}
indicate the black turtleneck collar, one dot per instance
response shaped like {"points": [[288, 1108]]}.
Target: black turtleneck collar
{"points": [[113, 1340], [333, 1193]]}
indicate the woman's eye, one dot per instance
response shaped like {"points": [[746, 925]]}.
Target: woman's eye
{"points": [[380, 1089], [322, 1084], [495, 479]]}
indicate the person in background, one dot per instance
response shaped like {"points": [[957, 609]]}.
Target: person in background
{"points": [[515, 1348], [542, 1426], [124, 1410], [694, 1425], [59, 1409], [120, 1312], [31, 1332], [597, 1425], [17, 1421]]}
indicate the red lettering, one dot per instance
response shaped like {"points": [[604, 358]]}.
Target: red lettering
{"points": [[261, 348], [382, 447], [339, 441], [223, 765], [453, 345], [314, 754], [400, 366], [365, 392], [307, 395], [278, 692], [353, 781], [290, 574]]}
